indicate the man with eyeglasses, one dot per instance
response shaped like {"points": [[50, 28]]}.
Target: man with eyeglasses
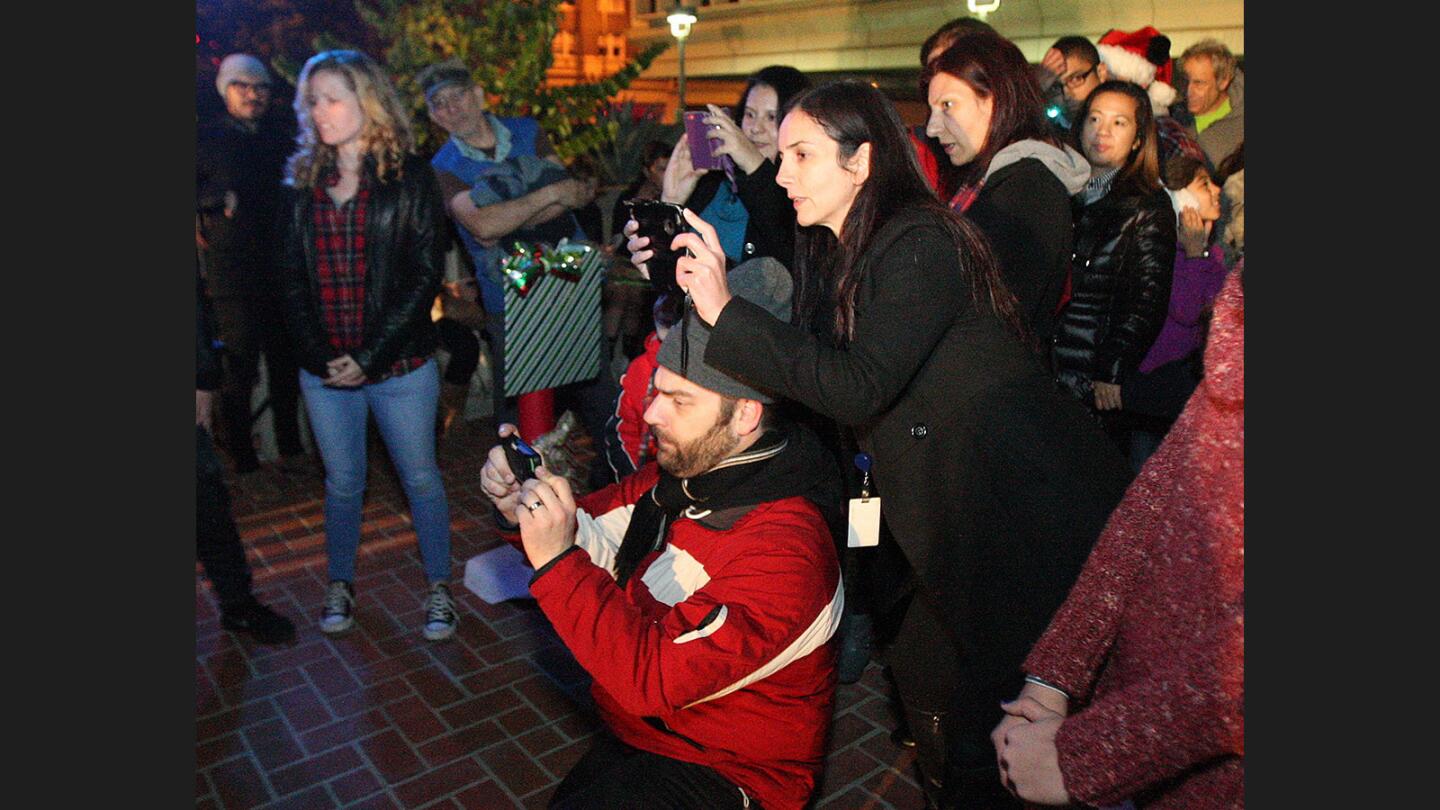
{"points": [[1077, 67], [239, 161], [502, 183], [1074, 70]]}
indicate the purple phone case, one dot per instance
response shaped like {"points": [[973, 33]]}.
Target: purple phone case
{"points": [[700, 154]]}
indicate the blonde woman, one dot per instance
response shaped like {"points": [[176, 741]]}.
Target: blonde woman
{"points": [[363, 261]]}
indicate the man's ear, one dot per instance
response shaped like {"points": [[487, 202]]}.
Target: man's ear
{"points": [[1103, 72], [1225, 85], [746, 419], [859, 164]]}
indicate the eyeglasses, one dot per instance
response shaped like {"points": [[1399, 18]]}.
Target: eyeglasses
{"points": [[1076, 79], [257, 89], [442, 101]]}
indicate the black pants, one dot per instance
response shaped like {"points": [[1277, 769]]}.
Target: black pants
{"points": [[248, 325], [464, 348], [612, 775], [926, 667], [217, 541]]}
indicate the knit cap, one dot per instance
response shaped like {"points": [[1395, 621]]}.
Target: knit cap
{"points": [[763, 281], [238, 66]]}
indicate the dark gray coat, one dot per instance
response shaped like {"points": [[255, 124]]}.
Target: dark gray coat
{"points": [[994, 482]]}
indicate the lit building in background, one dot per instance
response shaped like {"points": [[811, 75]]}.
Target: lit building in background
{"points": [[874, 40], [591, 42]]}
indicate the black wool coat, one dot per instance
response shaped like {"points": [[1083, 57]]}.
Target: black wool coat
{"points": [[1024, 211], [994, 482]]}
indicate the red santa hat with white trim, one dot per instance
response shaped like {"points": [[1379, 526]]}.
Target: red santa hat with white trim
{"points": [[1142, 57]]}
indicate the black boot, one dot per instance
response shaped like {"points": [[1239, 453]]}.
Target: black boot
{"points": [[263, 624], [927, 729]]}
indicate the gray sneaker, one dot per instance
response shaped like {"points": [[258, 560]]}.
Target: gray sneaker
{"points": [[440, 614], [339, 603]]}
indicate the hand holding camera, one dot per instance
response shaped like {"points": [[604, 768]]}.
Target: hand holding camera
{"points": [[701, 272], [507, 467], [656, 224]]}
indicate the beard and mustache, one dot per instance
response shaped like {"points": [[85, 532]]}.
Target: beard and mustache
{"points": [[687, 460]]}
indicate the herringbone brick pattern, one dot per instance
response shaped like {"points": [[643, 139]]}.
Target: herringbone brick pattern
{"points": [[380, 718]]}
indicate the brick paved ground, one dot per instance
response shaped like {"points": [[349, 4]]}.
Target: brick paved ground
{"points": [[381, 718]]}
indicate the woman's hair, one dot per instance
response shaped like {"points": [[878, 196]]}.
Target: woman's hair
{"points": [[653, 151], [1181, 170], [386, 135], [1140, 173], [828, 268], [786, 81], [951, 31], [995, 68]]}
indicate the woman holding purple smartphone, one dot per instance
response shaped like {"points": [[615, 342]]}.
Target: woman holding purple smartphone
{"points": [[749, 210]]}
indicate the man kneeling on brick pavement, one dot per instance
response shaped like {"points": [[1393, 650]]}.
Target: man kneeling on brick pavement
{"points": [[699, 592]]}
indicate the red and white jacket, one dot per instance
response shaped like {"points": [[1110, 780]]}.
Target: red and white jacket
{"points": [[715, 652], [628, 441]]}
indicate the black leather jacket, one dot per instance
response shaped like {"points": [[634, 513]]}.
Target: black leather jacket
{"points": [[1121, 271], [404, 263]]}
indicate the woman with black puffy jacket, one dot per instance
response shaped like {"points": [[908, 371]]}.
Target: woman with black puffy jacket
{"points": [[1124, 253]]}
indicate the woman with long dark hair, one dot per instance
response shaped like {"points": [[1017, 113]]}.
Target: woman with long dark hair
{"points": [[363, 258], [1124, 254], [993, 483], [1015, 176], [750, 212]]}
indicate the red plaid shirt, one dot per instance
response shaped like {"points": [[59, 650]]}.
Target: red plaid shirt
{"points": [[340, 265]]}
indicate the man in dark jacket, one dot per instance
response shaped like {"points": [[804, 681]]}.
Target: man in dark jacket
{"points": [[217, 542], [239, 158]]}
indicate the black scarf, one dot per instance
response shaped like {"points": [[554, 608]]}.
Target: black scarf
{"points": [[785, 462]]}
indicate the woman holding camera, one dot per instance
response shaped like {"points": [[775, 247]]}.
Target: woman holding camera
{"points": [[363, 257], [993, 483], [749, 211]]}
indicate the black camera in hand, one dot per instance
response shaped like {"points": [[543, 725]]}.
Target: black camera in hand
{"points": [[660, 222], [523, 458]]}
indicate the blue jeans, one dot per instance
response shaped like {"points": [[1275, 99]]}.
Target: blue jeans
{"points": [[404, 409]]}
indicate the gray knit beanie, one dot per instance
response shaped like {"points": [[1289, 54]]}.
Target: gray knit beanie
{"points": [[238, 66], [762, 281]]}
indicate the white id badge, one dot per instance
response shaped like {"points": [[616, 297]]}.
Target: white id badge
{"points": [[864, 528]]}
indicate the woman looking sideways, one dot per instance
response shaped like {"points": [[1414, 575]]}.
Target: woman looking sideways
{"points": [[363, 259], [905, 334], [1155, 394], [1124, 253], [1015, 175], [750, 214]]}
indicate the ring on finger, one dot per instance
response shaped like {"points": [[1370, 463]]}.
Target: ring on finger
{"points": [[536, 505]]}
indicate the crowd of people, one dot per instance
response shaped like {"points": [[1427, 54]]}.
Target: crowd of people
{"points": [[963, 398]]}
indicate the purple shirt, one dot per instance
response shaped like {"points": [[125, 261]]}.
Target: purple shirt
{"points": [[1196, 283]]}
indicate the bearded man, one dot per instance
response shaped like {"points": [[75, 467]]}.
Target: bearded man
{"points": [[699, 592]]}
